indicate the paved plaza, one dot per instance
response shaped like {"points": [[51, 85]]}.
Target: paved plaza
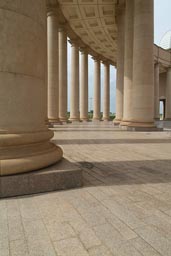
{"points": [[124, 208]]}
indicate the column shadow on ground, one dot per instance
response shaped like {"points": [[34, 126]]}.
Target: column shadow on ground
{"points": [[126, 172]]}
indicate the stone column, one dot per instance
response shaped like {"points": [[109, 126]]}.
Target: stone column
{"points": [[106, 97], [53, 77], [128, 61], [84, 86], [24, 138], [74, 104], [62, 74], [156, 92], [120, 66], [97, 85], [143, 66], [168, 94]]}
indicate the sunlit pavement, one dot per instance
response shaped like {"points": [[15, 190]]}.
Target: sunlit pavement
{"points": [[123, 209]]}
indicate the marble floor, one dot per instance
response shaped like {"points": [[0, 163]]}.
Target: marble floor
{"points": [[124, 208]]}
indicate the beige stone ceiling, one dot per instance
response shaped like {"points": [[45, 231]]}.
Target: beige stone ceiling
{"points": [[93, 21]]}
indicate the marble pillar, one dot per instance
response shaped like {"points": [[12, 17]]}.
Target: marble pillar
{"points": [[62, 74], [97, 90], [156, 92], [120, 65], [24, 139], [106, 94], [53, 72], [74, 100], [168, 94], [84, 86], [142, 112], [128, 62]]}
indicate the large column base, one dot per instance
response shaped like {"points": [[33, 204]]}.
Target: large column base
{"points": [[63, 120], [105, 119], [124, 123], [137, 126], [96, 118], [74, 120], [84, 119], [117, 121], [27, 152], [53, 122]]}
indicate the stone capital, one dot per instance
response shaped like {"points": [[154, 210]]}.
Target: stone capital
{"points": [[84, 50], [96, 58], [62, 27], [52, 11], [106, 62], [74, 42]]}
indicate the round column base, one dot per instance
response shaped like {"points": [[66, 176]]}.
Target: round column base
{"points": [[84, 119], [105, 119], [96, 119], [124, 123], [27, 152], [63, 119], [117, 121], [139, 126], [53, 122], [74, 119]]}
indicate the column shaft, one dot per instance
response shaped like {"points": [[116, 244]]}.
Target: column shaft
{"points": [[143, 66], [120, 66], [24, 138], [156, 92], [74, 108], [84, 86], [97, 84], [62, 75], [53, 77], [168, 94], [128, 61], [106, 97]]}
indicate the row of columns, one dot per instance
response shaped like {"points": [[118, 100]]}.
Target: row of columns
{"points": [[135, 71], [57, 77]]}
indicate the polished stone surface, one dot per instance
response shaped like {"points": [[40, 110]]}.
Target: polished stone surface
{"points": [[124, 208]]}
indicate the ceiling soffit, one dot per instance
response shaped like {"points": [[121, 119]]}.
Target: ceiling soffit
{"points": [[93, 21]]}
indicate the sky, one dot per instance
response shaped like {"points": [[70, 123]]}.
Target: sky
{"points": [[162, 23]]}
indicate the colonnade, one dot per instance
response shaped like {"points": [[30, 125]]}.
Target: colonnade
{"points": [[29, 62], [57, 77]]}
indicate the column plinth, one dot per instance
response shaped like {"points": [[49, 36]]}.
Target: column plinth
{"points": [[74, 104], [24, 139], [97, 84]]}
